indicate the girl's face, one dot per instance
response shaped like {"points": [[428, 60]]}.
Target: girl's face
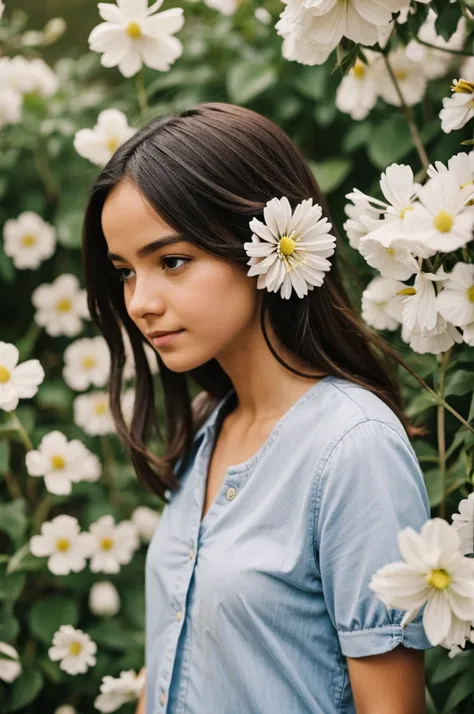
{"points": [[176, 285]]}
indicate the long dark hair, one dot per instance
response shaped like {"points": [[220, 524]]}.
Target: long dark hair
{"points": [[207, 171]]}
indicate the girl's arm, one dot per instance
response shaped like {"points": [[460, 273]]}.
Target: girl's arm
{"points": [[141, 706], [389, 683]]}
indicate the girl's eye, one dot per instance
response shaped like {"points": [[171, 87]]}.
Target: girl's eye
{"points": [[171, 258], [122, 272]]}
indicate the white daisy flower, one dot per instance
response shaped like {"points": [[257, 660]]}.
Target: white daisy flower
{"points": [[458, 109], [118, 691], [362, 216], [113, 544], [441, 221], [435, 573], [131, 37], [395, 262], [102, 141], [411, 81], [382, 303], [463, 523], [11, 103], [28, 240], [456, 301], [53, 30], [419, 306], [104, 599], [27, 76], [61, 306], [434, 63], [74, 649], [262, 15], [461, 166], [313, 28], [400, 191], [468, 334], [92, 413], [226, 7], [62, 463], [17, 381], [10, 667], [146, 521], [64, 545], [440, 339], [357, 94], [460, 632], [87, 362], [290, 250]]}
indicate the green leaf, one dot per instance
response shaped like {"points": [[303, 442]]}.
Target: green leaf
{"points": [[115, 635], [4, 456], [25, 689], [451, 667], [13, 520], [133, 605], [310, 81], [47, 615], [69, 228], [390, 141], [9, 625], [54, 394], [461, 382], [330, 173], [433, 486], [357, 136], [461, 689], [246, 80], [447, 21], [11, 584]]}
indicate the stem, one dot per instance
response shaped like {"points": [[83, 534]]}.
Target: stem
{"points": [[31, 480], [47, 177], [442, 432], [39, 516], [107, 473], [464, 53], [408, 116], [12, 486], [141, 92]]}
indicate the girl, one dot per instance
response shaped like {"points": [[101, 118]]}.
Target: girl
{"points": [[287, 483]]}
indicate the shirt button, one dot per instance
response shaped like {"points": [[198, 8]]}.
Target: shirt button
{"points": [[231, 493], [191, 553], [179, 616], [163, 700]]}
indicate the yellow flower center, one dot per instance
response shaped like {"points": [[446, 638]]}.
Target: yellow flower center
{"points": [[407, 291], [438, 579], [358, 70], [443, 222], [287, 245], [75, 648], [470, 293], [464, 87], [133, 30], [106, 543], [28, 240], [64, 305], [112, 144], [391, 252], [88, 362], [57, 462], [5, 374], [63, 545], [401, 74], [100, 408], [404, 210]]}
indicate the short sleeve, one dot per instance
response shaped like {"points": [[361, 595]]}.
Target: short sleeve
{"points": [[368, 488]]}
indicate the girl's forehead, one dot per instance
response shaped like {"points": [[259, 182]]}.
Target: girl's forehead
{"points": [[125, 209]]}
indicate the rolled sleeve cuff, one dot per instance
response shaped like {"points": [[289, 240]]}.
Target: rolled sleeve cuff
{"points": [[377, 640]]}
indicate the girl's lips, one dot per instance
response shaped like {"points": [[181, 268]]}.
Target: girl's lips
{"points": [[165, 339]]}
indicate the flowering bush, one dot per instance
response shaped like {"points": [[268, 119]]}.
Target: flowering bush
{"points": [[387, 88]]}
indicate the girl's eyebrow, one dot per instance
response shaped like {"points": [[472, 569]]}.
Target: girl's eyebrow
{"points": [[151, 247]]}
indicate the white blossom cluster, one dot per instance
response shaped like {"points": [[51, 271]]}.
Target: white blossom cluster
{"points": [[415, 227]]}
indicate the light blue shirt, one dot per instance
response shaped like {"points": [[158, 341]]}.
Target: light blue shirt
{"points": [[253, 610]]}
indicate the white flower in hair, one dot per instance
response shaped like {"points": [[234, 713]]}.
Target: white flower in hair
{"points": [[291, 249]]}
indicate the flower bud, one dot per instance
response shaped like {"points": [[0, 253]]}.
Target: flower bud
{"points": [[146, 521], [104, 599]]}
